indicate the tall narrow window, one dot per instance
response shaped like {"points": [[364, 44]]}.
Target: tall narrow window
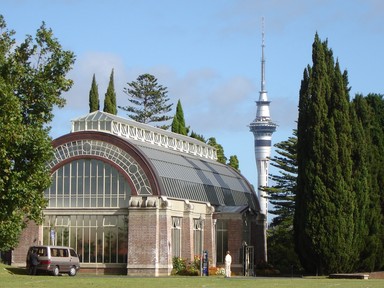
{"points": [[176, 237], [221, 240], [197, 236]]}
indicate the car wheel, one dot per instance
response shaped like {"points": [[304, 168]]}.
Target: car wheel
{"points": [[72, 271], [56, 271]]}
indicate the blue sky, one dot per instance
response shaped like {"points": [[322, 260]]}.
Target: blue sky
{"points": [[207, 53]]}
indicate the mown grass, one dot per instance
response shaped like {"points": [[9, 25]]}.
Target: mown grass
{"points": [[17, 277]]}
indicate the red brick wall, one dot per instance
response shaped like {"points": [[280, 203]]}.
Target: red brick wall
{"points": [[29, 237], [187, 237], [142, 237], [235, 239], [209, 237], [149, 242]]}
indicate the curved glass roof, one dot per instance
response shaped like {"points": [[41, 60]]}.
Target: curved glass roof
{"points": [[190, 172], [188, 177]]}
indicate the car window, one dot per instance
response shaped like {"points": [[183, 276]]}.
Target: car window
{"points": [[59, 252], [73, 253], [42, 251]]}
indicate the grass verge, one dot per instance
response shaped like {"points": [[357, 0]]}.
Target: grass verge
{"points": [[17, 277]]}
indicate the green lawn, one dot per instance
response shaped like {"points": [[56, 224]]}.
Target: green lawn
{"points": [[15, 278]]}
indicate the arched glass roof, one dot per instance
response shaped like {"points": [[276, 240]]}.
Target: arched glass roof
{"points": [[187, 168]]}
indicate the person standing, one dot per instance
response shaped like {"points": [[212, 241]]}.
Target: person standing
{"points": [[33, 262], [228, 261]]}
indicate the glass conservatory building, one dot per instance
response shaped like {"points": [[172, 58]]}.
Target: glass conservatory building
{"points": [[129, 197]]}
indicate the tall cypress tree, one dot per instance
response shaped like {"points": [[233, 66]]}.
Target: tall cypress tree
{"points": [[369, 220], [110, 97], [178, 122], [94, 102], [369, 111], [325, 203]]}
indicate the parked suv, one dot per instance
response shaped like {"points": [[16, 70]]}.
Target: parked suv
{"points": [[55, 259]]}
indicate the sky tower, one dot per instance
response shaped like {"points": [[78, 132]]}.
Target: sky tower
{"points": [[262, 128]]}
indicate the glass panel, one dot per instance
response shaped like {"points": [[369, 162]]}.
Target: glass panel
{"points": [[222, 240], [96, 238], [108, 126], [107, 244], [123, 239], [92, 241], [88, 181]]}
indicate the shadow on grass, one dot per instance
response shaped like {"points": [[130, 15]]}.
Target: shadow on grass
{"points": [[17, 271]]}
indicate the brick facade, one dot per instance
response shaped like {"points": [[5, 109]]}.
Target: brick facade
{"points": [[29, 237]]}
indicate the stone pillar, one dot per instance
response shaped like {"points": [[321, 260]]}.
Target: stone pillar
{"points": [[148, 238], [210, 235]]}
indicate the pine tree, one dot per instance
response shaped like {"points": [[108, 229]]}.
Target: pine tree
{"points": [[149, 101], [178, 122], [282, 194], [325, 202], [281, 252], [94, 102], [110, 97]]}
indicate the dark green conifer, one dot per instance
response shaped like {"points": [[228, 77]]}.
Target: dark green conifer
{"points": [[369, 111], [110, 97], [94, 102], [324, 223], [178, 122]]}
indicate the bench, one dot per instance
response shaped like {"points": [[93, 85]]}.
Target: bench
{"points": [[349, 276]]}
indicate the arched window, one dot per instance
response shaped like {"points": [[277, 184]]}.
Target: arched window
{"points": [[88, 183], [85, 211]]}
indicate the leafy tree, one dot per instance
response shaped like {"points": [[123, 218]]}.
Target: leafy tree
{"points": [[281, 250], [197, 136], [149, 101], [178, 122], [94, 102], [219, 149], [325, 214], [110, 97], [32, 78], [234, 162]]}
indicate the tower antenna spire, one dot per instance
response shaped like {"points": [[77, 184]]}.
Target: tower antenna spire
{"points": [[262, 57]]}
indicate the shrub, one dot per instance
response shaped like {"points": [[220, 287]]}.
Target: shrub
{"points": [[180, 266], [218, 271]]}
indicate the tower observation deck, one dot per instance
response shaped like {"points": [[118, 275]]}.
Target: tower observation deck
{"points": [[262, 128]]}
